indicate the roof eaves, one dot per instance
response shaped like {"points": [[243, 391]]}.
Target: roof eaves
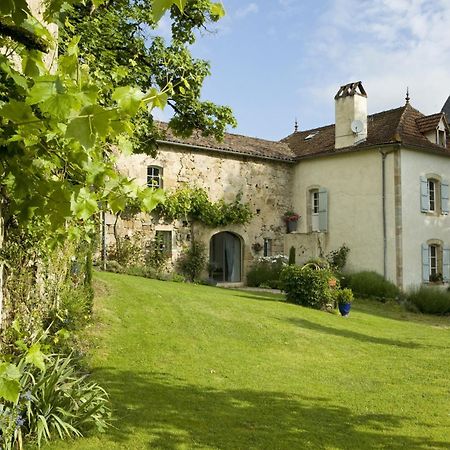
{"points": [[227, 150]]}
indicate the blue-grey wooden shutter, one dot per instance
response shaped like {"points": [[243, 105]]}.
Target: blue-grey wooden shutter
{"points": [[444, 197], [446, 263], [425, 263], [323, 209], [424, 196]]}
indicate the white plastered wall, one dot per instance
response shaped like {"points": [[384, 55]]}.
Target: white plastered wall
{"points": [[419, 227], [354, 184]]}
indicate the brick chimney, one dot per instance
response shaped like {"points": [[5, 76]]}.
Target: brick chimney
{"points": [[351, 115]]}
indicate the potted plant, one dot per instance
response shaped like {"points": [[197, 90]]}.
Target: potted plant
{"points": [[291, 219], [344, 301]]}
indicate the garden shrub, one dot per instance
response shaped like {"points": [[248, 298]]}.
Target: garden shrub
{"points": [[114, 266], [192, 262], [320, 263], [338, 258], [156, 256], [372, 284], [430, 300], [266, 271], [307, 286]]}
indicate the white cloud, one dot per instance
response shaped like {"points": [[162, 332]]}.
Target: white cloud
{"points": [[388, 45], [251, 8]]}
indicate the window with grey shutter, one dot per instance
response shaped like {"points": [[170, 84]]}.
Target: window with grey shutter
{"points": [[425, 263], [446, 263], [323, 209], [424, 196], [444, 197]]}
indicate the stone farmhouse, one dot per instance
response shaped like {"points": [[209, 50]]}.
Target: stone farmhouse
{"points": [[378, 183]]}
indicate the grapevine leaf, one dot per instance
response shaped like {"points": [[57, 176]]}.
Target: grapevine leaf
{"points": [[60, 105], [9, 371], [81, 129], [17, 112], [128, 98], [217, 10], [158, 99], [160, 7], [44, 88], [83, 205], [36, 357], [180, 3], [9, 389], [151, 198]]}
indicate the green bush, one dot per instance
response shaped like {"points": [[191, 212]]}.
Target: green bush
{"points": [[372, 284], [266, 271], [338, 258], [114, 266], [193, 261], [307, 286], [430, 300]]}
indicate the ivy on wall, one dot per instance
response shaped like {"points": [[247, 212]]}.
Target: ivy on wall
{"points": [[193, 204]]}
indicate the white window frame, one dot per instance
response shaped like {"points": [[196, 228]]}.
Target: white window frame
{"points": [[314, 199], [432, 185], [433, 252], [155, 177]]}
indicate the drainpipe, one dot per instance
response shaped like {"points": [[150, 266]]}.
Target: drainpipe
{"points": [[383, 187]]}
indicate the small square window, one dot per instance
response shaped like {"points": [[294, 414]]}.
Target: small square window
{"points": [[163, 241], [155, 177]]}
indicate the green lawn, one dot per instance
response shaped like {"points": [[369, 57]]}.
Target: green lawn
{"points": [[202, 367]]}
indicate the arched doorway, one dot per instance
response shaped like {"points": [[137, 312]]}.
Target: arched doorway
{"points": [[225, 257]]}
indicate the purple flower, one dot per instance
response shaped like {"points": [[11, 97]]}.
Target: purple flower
{"points": [[19, 421], [27, 396]]}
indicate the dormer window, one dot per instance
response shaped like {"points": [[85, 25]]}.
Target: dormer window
{"points": [[441, 138]]}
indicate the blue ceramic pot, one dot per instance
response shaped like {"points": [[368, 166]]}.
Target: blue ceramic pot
{"points": [[344, 308]]}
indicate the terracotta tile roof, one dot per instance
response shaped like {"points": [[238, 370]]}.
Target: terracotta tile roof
{"points": [[233, 144], [428, 123], [388, 127], [403, 125]]}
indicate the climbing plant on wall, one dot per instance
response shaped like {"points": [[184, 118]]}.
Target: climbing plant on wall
{"points": [[193, 204]]}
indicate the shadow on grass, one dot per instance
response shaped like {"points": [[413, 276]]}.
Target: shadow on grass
{"points": [[263, 296], [303, 323], [166, 413]]}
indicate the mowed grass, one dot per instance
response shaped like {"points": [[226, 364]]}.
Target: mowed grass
{"points": [[197, 367]]}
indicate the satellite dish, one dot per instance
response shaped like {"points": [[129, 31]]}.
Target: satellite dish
{"points": [[357, 126]]}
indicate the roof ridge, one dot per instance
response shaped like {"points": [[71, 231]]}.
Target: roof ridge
{"points": [[310, 130], [401, 122]]}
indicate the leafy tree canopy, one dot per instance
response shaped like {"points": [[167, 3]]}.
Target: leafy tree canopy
{"points": [[119, 39], [62, 124]]}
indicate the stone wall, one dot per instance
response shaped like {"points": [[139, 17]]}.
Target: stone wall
{"points": [[265, 185]]}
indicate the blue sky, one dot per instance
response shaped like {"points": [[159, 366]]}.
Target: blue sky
{"points": [[273, 61]]}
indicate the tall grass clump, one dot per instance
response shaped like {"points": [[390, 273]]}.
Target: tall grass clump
{"points": [[430, 300], [372, 285]]}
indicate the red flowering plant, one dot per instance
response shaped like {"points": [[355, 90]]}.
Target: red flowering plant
{"points": [[291, 216]]}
